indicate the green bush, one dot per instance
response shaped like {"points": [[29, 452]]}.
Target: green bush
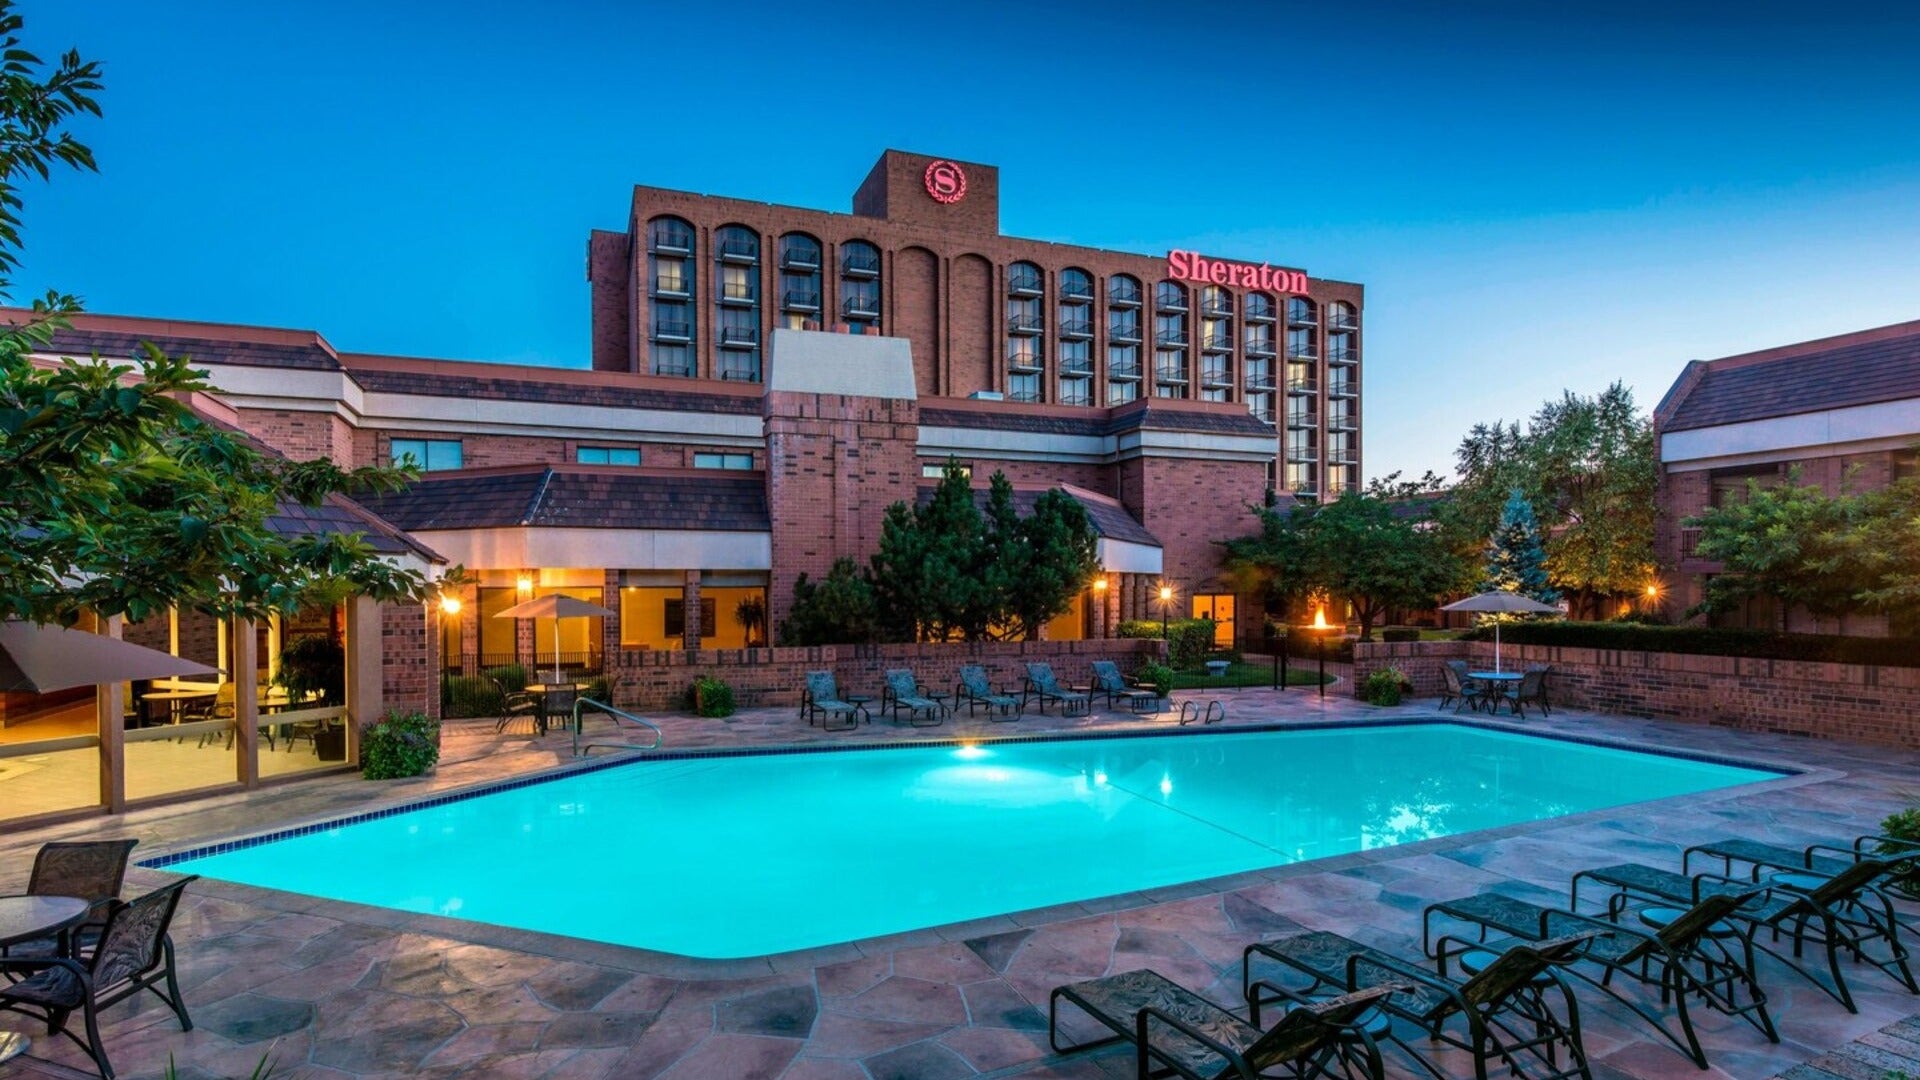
{"points": [[1137, 628], [1708, 641], [1383, 686], [1903, 825], [712, 697], [399, 746], [1400, 633], [471, 695], [1157, 675], [511, 677]]}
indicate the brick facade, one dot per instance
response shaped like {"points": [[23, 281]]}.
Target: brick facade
{"points": [[410, 660]]}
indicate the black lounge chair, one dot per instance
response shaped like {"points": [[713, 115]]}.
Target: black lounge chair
{"points": [[1533, 687], [1107, 680], [1683, 954], [1510, 1021], [1844, 912], [1041, 684], [904, 694], [92, 870], [976, 690], [134, 953], [1176, 1032], [821, 700]]}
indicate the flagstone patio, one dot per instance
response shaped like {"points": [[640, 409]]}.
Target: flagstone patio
{"points": [[328, 989]]}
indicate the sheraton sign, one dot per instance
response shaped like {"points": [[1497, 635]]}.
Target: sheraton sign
{"points": [[1195, 267]]}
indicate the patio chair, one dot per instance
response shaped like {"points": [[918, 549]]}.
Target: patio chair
{"points": [[1177, 1032], [1825, 859], [514, 705], [89, 869], [1533, 687], [976, 690], [134, 953], [904, 694], [1684, 954], [1844, 912], [1108, 680], [1456, 692], [1041, 684], [1511, 1022], [821, 701]]}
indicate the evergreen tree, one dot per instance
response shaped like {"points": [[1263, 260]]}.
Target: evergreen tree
{"points": [[1516, 560], [1060, 552], [839, 610]]}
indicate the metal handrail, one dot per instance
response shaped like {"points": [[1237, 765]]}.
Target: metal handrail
{"points": [[580, 751]]}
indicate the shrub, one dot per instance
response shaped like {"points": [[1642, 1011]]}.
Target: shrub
{"points": [[1188, 640], [712, 697], [1384, 686], [1138, 628], [511, 677], [399, 746], [471, 695], [1708, 641], [315, 664], [1904, 826], [1400, 633], [1157, 675]]}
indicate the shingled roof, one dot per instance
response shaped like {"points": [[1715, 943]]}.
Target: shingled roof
{"points": [[578, 497], [1110, 519], [1857, 369], [481, 383], [118, 345]]}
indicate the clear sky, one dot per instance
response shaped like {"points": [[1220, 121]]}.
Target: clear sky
{"points": [[1537, 196]]}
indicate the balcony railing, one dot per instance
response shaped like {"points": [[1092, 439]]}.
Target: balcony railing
{"points": [[799, 260], [1216, 343], [1343, 388], [1259, 346], [1123, 372], [1023, 284], [1078, 365], [1123, 297], [1170, 375], [1689, 543], [675, 288], [678, 371], [739, 373], [1025, 324], [1343, 457], [1214, 378], [1023, 363], [1297, 351], [676, 241], [1123, 334], [1171, 337], [672, 331], [1300, 421], [1169, 302], [860, 264], [739, 295], [1343, 422], [1259, 382], [1302, 317], [861, 306], [1343, 356], [1025, 397], [1302, 386], [739, 337], [1078, 328], [1259, 313], [800, 300], [1075, 399], [1342, 321], [1305, 454], [1077, 290], [1265, 416], [739, 251]]}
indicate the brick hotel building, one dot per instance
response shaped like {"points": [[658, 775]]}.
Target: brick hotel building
{"points": [[766, 380]]}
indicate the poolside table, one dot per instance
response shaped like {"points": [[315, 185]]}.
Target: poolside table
{"points": [[554, 698], [1500, 681], [29, 918]]}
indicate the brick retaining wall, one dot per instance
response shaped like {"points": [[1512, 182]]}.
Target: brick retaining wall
{"points": [[659, 680], [1794, 697]]}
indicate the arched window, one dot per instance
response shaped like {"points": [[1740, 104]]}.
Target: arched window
{"points": [[1076, 337], [1216, 343], [1026, 331], [670, 297], [736, 253], [860, 286], [799, 280], [1171, 341], [1123, 339]]}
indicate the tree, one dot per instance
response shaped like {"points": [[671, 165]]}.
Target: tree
{"points": [[840, 610], [1799, 547], [1516, 561], [1059, 558], [119, 499]]}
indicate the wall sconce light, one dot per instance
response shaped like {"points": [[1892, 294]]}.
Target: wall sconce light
{"points": [[525, 583], [450, 603]]}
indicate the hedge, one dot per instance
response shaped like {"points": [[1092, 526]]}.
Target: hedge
{"points": [[1188, 640], [1708, 641]]}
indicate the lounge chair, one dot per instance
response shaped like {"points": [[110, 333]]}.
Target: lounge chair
{"points": [[904, 694], [821, 700], [1845, 912], [89, 869], [134, 953], [1533, 687], [1041, 684], [1108, 680], [976, 690], [1510, 1021], [1683, 954], [1178, 1032], [1824, 859]]}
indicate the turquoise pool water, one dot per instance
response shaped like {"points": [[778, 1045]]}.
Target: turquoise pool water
{"points": [[743, 856]]}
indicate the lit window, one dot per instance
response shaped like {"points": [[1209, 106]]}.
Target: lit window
{"points": [[427, 455], [939, 472], [723, 461], [607, 455]]}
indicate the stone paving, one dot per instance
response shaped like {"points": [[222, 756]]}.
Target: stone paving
{"points": [[329, 989]]}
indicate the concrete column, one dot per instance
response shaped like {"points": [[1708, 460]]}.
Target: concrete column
{"points": [[366, 695], [110, 708], [246, 701], [690, 596]]}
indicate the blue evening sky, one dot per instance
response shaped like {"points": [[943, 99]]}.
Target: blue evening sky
{"points": [[1537, 196]]}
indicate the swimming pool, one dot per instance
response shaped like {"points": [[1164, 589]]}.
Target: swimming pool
{"points": [[738, 856]]}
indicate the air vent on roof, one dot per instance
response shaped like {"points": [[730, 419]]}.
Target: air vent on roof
{"points": [[987, 395]]}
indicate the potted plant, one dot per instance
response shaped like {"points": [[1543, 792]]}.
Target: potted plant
{"points": [[751, 614]]}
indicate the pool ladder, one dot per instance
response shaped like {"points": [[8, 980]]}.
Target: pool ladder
{"points": [[581, 749], [1191, 712]]}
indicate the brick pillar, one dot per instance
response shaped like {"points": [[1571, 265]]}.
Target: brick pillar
{"points": [[690, 596], [610, 626], [469, 629]]}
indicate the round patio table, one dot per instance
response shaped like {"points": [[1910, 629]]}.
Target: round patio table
{"points": [[27, 918], [1502, 679]]}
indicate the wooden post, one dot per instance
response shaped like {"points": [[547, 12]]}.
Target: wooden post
{"points": [[110, 710], [246, 701], [366, 694]]}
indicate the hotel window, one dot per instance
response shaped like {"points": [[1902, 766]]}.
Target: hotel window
{"points": [[939, 472], [1023, 387], [1300, 311], [1301, 477], [607, 455], [1170, 340], [1906, 465], [670, 251], [1119, 391], [860, 286], [736, 253], [1026, 325], [1343, 327], [1216, 343], [427, 455], [1076, 337], [1259, 380], [1076, 372], [799, 280], [723, 461], [1123, 339]]}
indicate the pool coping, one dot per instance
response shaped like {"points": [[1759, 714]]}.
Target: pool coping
{"points": [[652, 961]]}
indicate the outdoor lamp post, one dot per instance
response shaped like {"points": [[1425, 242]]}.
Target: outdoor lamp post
{"points": [[1100, 605], [1166, 604], [1320, 635]]}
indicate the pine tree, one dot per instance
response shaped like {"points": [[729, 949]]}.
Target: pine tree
{"points": [[1516, 560]]}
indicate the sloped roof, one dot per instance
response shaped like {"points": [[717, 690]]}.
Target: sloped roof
{"points": [[114, 344], [579, 497], [1855, 369], [480, 383], [1110, 519]]}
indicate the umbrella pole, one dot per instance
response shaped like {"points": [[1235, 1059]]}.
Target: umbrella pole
{"points": [[1496, 647], [556, 651]]}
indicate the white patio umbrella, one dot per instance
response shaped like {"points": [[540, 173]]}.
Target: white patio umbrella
{"points": [[38, 659], [555, 606], [1500, 603]]}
